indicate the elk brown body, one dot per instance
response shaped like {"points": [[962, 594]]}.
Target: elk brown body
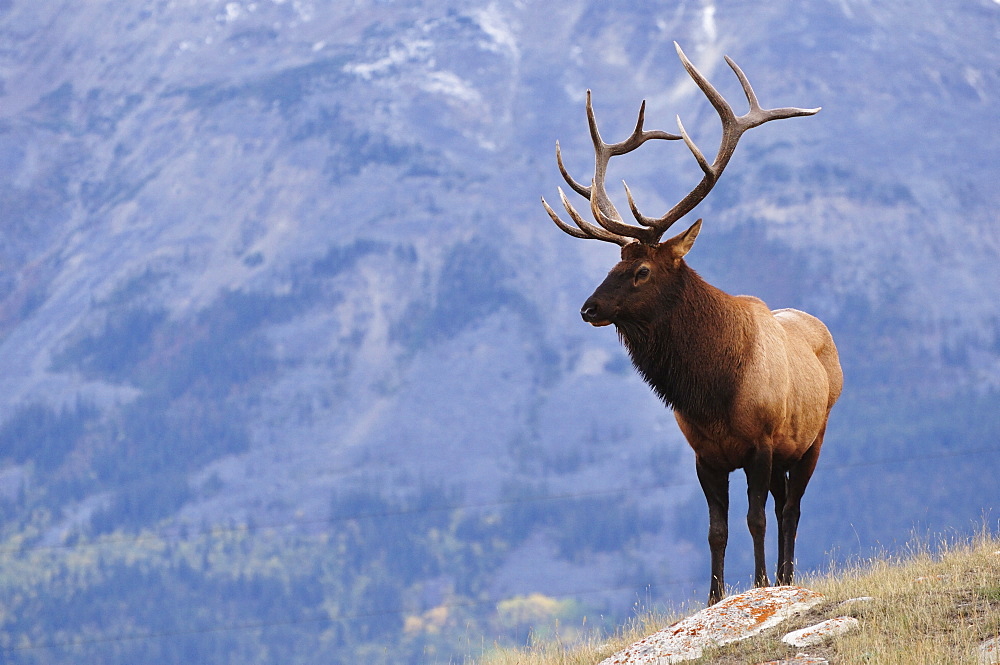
{"points": [[750, 388]]}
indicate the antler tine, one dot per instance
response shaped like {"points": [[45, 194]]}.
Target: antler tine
{"points": [[617, 227], [733, 127], [602, 155], [577, 187], [586, 229], [757, 116], [612, 227], [576, 233], [639, 135]]}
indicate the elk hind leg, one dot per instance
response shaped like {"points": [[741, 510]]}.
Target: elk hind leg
{"points": [[779, 490], [798, 477]]}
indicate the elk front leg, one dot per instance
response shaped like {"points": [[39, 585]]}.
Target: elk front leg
{"points": [[715, 484], [758, 484]]}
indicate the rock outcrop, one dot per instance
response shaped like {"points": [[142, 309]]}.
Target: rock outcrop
{"points": [[735, 618]]}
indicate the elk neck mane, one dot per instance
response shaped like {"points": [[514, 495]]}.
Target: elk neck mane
{"points": [[693, 352]]}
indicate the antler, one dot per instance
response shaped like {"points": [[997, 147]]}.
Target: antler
{"points": [[612, 228]]}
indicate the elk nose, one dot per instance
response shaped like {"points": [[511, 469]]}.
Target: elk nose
{"points": [[592, 314]]}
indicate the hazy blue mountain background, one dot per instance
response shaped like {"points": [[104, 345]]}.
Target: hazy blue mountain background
{"points": [[291, 366]]}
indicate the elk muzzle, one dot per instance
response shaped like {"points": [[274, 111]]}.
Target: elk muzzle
{"points": [[592, 314]]}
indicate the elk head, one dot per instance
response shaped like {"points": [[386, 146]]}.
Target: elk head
{"points": [[641, 282], [650, 269]]}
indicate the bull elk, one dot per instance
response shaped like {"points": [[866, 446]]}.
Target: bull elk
{"points": [[750, 388]]}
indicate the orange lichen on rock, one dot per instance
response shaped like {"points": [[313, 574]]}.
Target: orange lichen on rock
{"points": [[733, 619]]}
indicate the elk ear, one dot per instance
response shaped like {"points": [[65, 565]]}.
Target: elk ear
{"points": [[681, 243]]}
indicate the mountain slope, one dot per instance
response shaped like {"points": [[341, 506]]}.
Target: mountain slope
{"points": [[261, 263]]}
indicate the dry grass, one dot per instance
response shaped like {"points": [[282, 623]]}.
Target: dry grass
{"points": [[930, 607], [592, 649]]}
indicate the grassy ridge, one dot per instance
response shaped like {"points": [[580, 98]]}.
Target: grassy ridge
{"points": [[931, 606]]}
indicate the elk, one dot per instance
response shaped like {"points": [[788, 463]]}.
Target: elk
{"points": [[750, 388]]}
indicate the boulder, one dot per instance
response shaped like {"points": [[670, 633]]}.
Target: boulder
{"points": [[733, 619], [820, 632], [989, 651]]}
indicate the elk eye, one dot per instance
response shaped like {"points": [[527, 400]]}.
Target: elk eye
{"points": [[642, 273]]}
